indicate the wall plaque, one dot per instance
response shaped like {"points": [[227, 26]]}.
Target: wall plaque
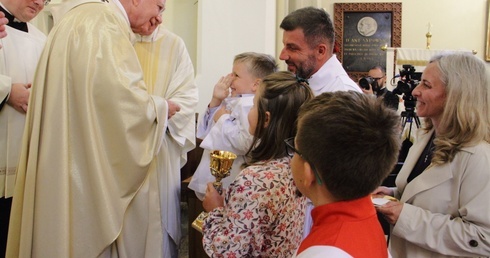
{"points": [[361, 29]]}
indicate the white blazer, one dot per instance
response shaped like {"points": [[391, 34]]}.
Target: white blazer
{"points": [[447, 208]]}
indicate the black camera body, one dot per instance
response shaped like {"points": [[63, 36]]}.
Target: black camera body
{"points": [[409, 79], [366, 81]]}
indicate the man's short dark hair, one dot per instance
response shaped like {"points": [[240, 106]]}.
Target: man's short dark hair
{"points": [[315, 22], [351, 139], [381, 68]]}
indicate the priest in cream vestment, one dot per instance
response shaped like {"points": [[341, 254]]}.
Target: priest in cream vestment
{"points": [[92, 132], [168, 72]]}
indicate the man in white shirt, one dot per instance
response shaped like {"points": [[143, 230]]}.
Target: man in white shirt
{"points": [[308, 40]]}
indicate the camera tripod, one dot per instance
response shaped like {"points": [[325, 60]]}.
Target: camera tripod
{"points": [[408, 117]]}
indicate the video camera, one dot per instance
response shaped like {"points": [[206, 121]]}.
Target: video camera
{"points": [[409, 79]]}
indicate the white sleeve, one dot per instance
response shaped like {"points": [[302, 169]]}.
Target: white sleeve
{"points": [[322, 251], [230, 132], [5, 81], [206, 122], [5, 86]]}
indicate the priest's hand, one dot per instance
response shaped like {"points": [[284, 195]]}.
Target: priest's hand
{"points": [[19, 97], [172, 108], [212, 199]]}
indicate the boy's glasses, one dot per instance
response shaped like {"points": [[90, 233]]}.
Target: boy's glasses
{"points": [[290, 150]]}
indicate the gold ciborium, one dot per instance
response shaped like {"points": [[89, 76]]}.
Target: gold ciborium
{"points": [[220, 165]]}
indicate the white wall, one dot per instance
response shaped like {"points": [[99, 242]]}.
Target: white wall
{"points": [[225, 29], [181, 17], [216, 30]]}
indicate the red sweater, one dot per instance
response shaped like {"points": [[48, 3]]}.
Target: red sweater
{"points": [[349, 225]]}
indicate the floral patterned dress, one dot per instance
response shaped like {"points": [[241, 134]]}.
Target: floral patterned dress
{"points": [[262, 217]]}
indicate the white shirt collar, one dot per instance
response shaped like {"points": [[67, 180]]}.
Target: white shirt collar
{"points": [[322, 74], [331, 77]]}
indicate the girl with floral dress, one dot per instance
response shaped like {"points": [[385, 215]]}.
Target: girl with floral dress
{"points": [[261, 213]]}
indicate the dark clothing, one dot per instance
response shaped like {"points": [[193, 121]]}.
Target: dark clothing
{"points": [[5, 205], [423, 161], [391, 100], [14, 23]]}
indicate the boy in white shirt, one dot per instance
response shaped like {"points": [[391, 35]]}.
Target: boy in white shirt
{"points": [[224, 125]]}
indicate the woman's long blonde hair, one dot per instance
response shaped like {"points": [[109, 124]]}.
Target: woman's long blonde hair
{"points": [[466, 117]]}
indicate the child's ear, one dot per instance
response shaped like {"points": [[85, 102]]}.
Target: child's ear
{"points": [[267, 119], [256, 84], [306, 180], [309, 174]]}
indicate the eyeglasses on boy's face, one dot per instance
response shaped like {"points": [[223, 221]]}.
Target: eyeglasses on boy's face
{"points": [[290, 150]]}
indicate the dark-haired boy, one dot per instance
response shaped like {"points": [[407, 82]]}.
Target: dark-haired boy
{"points": [[341, 156]]}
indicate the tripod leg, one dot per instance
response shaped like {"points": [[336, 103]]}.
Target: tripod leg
{"points": [[404, 122], [417, 121]]}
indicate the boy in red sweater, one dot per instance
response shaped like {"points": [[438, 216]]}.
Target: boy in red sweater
{"points": [[346, 144]]}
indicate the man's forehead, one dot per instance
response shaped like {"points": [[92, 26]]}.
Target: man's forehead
{"points": [[376, 72], [295, 36], [297, 33]]}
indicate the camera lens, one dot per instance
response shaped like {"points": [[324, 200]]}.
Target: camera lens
{"points": [[365, 82]]}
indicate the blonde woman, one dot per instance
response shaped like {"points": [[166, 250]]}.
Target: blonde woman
{"points": [[444, 184]]}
